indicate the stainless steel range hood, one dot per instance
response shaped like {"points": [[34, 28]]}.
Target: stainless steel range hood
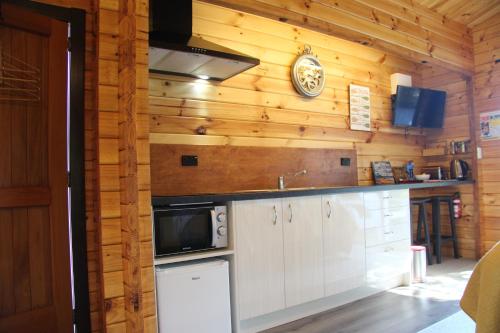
{"points": [[173, 49]]}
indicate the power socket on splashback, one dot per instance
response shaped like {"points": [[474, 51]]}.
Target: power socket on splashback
{"points": [[345, 161], [189, 160]]}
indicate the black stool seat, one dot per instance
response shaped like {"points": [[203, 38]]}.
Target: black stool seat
{"points": [[436, 225], [422, 224]]}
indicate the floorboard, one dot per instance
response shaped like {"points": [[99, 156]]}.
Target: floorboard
{"points": [[400, 310]]}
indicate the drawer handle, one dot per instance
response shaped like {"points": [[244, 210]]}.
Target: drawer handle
{"points": [[275, 218], [388, 249], [388, 197], [387, 215], [329, 209], [388, 232], [291, 213]]}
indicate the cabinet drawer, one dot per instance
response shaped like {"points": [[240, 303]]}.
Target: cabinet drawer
{"points": [[387, 199], [387, 216], [387, 260], [387, 234]]}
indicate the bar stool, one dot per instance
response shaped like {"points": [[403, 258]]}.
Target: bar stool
{"points": [[422, 225], [436, 225]]}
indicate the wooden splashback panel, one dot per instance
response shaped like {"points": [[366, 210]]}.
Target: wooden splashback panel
{"points": [[223, 169]]}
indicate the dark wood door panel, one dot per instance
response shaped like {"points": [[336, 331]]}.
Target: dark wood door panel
{"points": [[35, 279], [25, 265]]}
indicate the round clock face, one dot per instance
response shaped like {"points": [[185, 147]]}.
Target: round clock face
{"points": [[308, 76]]}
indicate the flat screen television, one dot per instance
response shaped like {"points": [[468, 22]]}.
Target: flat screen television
{"points": [[418, 107]]}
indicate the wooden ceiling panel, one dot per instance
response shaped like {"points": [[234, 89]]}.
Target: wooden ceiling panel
{"points": [[468, 12]]}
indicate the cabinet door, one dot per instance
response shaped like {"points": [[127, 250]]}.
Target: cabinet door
{"points": [[343, 242], [259, 256], [386, 261], [303, 245]]}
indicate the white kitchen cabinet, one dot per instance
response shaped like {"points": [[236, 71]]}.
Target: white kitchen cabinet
{"points": [[387, 262], [387, 232], [387, 216], [303, 249], [343, 242], [386, 199], [259, 256]]}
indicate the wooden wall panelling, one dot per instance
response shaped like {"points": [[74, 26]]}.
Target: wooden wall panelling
{"points": [[130, 245], [124, 165], [464, 11], [486, 98], [225, 169], [399, 26], [458, 125], [260, 108]]}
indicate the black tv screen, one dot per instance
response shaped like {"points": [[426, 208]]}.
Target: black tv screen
{"points": [[418, 107], [431, 108], [404, 106]]}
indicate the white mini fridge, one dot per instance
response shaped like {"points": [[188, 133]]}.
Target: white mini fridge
{"points": [[193, 297]]}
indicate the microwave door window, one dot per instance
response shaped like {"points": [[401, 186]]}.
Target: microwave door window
{"points": [[181, 231]]}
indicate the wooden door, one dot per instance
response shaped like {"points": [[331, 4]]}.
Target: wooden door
{"points": [[35, 281], [343, 242], [303, 232], [259, 256]]}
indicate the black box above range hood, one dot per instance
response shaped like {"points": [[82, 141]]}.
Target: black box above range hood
{"points": [[174, 50]]}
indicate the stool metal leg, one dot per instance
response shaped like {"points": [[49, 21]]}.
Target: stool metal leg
{"points": [[427, 236], [419, 225], [436, 226], [453, 229]]}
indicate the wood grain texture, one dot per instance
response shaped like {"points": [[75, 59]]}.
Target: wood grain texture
{"points": [[457, 126], [464, 11], [402, 27], [34, 183], [260, 107], [128, 154], [223, 169], [486, 88]]}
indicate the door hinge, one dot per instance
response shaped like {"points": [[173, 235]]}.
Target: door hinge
{"points": [[69, 44], [69, 179], [74, 316]]}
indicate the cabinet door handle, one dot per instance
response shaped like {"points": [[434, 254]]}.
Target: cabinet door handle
{"points": [[387, 215], [388, 232], [291, 213], [388, 197], [275, 218], [329, 209]]}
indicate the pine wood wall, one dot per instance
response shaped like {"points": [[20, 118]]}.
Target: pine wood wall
{"points": [[261, 108], [457, 126], [402, 27], [486, 38]]}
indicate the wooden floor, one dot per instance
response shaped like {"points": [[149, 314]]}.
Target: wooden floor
{"points": [[400, 310]]}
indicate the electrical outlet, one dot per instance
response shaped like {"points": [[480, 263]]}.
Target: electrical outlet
{"points": [[345, 161], [189, 160]]}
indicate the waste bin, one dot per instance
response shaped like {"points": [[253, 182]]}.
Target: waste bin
{"points": [[419, 264]]}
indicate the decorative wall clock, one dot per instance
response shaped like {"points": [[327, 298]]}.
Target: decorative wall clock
{"points": [[308, 76]]}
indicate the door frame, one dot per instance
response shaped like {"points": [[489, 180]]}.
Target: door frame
{"points": [[76, 20]]}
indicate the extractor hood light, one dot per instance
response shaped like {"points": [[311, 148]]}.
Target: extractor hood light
{"points": [[204, 77]]}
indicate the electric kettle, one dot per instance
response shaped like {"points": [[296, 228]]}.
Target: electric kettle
{"points": [[459, 169]]}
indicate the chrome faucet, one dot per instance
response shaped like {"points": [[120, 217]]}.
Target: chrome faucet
{"points": [[281, 179]]}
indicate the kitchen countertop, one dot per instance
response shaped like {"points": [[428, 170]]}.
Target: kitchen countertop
{"points": [[296, 192]]}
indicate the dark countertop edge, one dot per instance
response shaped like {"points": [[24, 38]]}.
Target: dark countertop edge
{"points": [[255, 195]]}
